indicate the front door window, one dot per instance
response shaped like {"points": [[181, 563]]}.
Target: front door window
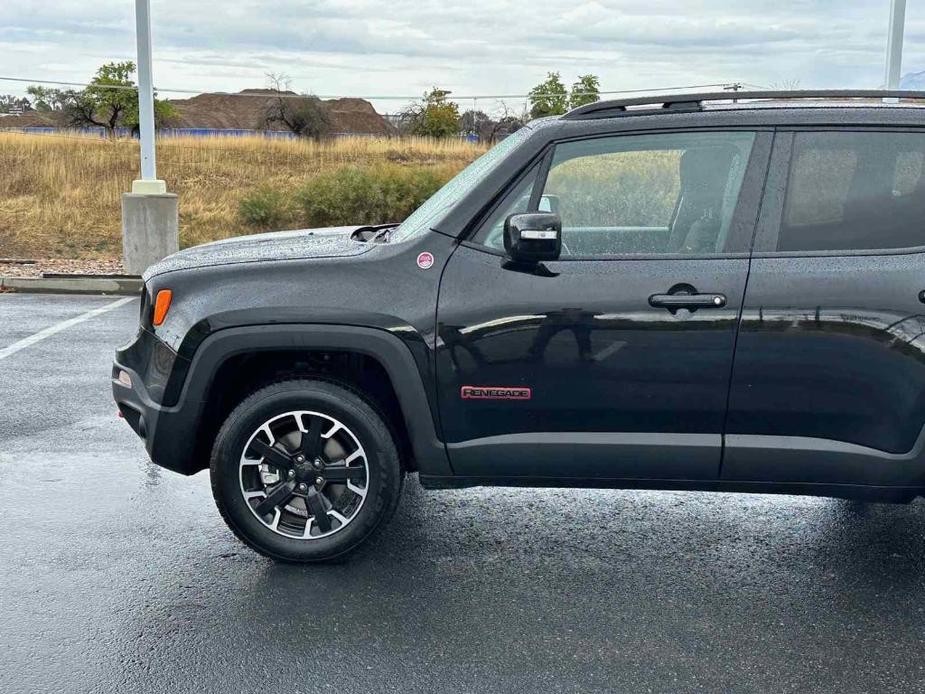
{"points": [[669, 194]]}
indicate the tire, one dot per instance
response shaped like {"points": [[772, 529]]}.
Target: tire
{"points": [[338, 515]]}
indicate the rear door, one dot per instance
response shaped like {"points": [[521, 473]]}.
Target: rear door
{"points": [[583, 367], [829, 377]]}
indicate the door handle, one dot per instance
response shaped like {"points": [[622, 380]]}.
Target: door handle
{"points": [[690, 301]]}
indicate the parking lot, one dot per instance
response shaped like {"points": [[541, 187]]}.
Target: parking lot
{"points": [[116, 575]]}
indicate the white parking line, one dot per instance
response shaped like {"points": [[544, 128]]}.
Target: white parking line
{"points": [[58, 327]]}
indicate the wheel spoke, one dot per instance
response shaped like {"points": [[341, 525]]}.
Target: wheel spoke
{"points": [[279, 496], [311, 439], [341, 518], [272, 455], [341, 473], [316, 507]]}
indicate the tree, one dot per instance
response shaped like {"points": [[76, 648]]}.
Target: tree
{"points": [[476, 123], [504, 127], [548, 98], [304, 115], [111, 95], [433, 117], [586, 90], [110, 101], [165, 113], [10, 103], [509, 122], [46, 99], [783, 85]]}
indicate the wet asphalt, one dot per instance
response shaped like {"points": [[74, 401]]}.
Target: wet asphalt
{"points": [[118, 576]]}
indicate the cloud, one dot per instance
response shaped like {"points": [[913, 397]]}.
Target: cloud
{"points": [[476, 47]]}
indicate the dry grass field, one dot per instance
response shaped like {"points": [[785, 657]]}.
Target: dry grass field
{"points": [[60, 194]]}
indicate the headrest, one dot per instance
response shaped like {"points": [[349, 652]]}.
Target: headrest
{"points": [[705, 170]]}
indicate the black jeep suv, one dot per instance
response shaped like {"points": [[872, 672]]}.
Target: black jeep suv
{"points": [[692, 292]]}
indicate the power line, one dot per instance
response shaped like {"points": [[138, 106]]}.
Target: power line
{"points": [[384, 97]]}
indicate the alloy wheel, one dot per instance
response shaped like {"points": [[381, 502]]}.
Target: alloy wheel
{"points": [[304, 475]]}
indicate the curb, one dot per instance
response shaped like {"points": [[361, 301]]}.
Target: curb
{"points": [[126, 286]]}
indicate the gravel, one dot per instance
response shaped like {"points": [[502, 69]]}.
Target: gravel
{"points": [[35, 267]]}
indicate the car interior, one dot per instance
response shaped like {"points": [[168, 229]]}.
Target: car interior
{"points": [[708, 185], [707, 179]]}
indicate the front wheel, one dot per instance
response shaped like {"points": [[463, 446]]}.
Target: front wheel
{"points": [[305, 471]]}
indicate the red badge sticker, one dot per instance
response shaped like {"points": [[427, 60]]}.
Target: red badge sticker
{"points": [[425, 260]]}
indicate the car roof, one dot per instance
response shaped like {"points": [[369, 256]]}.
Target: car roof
{"points": [[836, 107]]}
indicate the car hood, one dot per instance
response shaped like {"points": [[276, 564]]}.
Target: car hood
{"points": [[297, 244]]}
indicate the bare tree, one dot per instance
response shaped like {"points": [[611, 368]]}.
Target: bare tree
{"points": [[508, 123], [407, 120], [305, 115], [785, 85], [476, 123]]}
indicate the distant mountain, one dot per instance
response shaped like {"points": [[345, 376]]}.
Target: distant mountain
{"points": [[914, 81]]}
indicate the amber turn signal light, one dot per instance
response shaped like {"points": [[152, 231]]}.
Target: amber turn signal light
{"points": [[162, 305]]}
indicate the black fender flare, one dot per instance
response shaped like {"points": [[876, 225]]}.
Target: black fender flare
{"points": [[388, 349]]}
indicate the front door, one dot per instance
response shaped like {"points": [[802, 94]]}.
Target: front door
{"points": [[829, 379], [614, 360]]}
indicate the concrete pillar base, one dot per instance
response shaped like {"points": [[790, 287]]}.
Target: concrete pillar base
{"points": [[150, 229]]}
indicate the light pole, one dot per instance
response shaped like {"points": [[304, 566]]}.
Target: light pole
{"points": [[150, 220], [149, 182], [894, 43]]}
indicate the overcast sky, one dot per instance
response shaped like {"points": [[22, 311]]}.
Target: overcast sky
{"points": [[401, 47]]}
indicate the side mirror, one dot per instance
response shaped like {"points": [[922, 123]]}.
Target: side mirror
{"points": [[533, 237]]}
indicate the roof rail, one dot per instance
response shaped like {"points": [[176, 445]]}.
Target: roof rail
{"points": [[694, 102]]}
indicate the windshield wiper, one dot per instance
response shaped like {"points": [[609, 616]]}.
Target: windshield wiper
{"points": [[371, 234], [381, 235]]}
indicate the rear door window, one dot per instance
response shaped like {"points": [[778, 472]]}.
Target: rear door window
{"points": [[849, 191]]}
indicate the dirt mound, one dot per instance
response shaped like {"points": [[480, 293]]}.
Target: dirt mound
{"points": [[31, 119], [226, 111], [234, 111], [357, 116]]}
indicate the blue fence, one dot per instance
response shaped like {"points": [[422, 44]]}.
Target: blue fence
{"points": [[216, 132], [187, 132], [163, 132]]}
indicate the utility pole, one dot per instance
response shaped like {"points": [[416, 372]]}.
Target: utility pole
{"points": [[150, 220], [894, 44]]}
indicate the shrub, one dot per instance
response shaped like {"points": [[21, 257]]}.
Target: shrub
{"points": [[373, 195], [60, 196], [264, 209]]}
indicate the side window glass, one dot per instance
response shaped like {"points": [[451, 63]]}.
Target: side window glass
{"points": [[648, 194], [515, 201], [854, 191]]}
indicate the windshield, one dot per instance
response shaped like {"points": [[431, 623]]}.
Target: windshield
{"points": [[422, 218]]}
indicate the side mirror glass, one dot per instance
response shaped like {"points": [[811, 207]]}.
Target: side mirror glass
{"points": [[533, 237]]}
